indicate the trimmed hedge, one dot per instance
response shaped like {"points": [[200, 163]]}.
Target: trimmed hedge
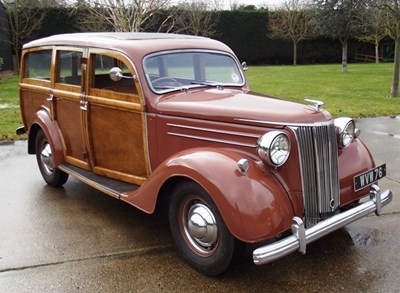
{"points": [[245, 31]]}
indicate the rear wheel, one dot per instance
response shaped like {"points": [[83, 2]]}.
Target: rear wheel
{"points": [[199, 230], [44, 156]]}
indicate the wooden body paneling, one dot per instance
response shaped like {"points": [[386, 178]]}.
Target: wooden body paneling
{"points": [[116, 139], [115, 122], [69, 117], [106, 135]]}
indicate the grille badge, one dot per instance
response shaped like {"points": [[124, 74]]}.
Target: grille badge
{"points": [[332, 204]]}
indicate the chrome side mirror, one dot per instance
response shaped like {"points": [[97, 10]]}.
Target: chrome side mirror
{"points": [[244, 66], [116, 74]]}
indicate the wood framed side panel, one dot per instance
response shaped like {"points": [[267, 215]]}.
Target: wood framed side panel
{"points": [[116, 139], [36, 82], [68, 115], [116, 128], [69, 81]]}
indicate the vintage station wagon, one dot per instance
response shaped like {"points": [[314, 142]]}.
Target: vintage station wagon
{"points": [[165, 121]]}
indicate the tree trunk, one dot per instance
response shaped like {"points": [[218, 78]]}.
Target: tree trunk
{"points": [[376, 51], [16, 56], [294, 53], [344, 55], [396, 70]]}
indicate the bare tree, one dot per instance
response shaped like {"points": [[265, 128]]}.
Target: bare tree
{"points": [[339, 19], [215, 4], [233, 4], [127, 15], [374, 28], [24, 18], [391, 11], [291, 22], [197, 18], [88, 17]]}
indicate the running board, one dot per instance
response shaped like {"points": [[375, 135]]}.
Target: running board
{"points": [[112, 187]]}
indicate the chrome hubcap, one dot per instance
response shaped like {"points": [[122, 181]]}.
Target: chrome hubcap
{"points": [[201, 228], [47, 159]]}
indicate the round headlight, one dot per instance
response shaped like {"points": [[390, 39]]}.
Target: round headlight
{"points": [[274, 148], [347, 130]]}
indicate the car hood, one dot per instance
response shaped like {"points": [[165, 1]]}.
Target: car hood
{"points": [[238, 107]]}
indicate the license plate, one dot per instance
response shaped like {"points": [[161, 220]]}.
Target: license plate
{"points": [[370, 177]]}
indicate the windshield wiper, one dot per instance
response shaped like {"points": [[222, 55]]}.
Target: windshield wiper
{"points": [[165, 87], [208, 83]]}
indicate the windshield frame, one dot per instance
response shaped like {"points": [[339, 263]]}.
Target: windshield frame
{"points": [[195, 83]]}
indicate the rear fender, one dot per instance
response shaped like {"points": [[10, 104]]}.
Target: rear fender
{"points": [[50, 128], [254, 206]]}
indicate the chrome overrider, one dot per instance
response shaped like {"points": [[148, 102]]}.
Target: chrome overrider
{"points": [[302, 237]]}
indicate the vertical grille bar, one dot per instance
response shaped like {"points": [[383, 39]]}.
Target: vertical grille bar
{"points": [[319, 168]]}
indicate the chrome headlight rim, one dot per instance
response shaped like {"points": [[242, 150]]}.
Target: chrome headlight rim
{"points": [[274, 148], [347, 131]]}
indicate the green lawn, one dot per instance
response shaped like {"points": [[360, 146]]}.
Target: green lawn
{"points": [[10, 117], [364, 91], [361, 92]]}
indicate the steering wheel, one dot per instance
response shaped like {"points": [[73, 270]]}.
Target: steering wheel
{"points": [[168, 81]]}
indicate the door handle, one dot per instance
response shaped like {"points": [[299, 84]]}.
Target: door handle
{"points": [[84, 105], [50, 98]]}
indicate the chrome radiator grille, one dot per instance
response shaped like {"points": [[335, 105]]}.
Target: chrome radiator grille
{"points": [[319, 167]]}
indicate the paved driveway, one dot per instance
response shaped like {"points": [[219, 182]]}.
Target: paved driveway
{"points": [[78, 239]]}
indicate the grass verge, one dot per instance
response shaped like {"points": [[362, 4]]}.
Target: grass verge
{"points": [[363, 91], [10, 116]]}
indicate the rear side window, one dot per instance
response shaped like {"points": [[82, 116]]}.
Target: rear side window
{"points": [[37, 64], [102, 65], [69, 67]]}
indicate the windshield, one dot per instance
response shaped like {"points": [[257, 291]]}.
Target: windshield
{"points": [[182, 70]]}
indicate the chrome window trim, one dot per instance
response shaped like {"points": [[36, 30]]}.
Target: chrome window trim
{"points": [[166, 52]]}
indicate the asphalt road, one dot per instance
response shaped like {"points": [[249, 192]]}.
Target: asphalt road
{"points": [[78, 239]]}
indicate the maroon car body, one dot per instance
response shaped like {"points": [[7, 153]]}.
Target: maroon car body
{"points": [[175, 126]]}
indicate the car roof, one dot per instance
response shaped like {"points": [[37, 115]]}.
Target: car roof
{"points": [[126, 41]]}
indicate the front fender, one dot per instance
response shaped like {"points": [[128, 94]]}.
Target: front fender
{"points": [[50, 128], [254, 206], [353, 160]]}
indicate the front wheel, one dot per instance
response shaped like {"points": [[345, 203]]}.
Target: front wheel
{"points": [[44, 156], [199, 230]]}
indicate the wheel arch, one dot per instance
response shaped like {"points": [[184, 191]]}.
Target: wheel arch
{"points": [[33, 130], [254, 206], [43, 122], [166, 190]]}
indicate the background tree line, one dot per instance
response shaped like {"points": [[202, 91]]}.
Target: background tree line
{"points": [[301, 31]]}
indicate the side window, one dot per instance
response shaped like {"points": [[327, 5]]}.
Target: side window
{"points": [[37, 65], [101, 66], [69, 67]]}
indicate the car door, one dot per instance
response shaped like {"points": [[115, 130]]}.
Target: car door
{"points": [[115, 119], [67, 103]]}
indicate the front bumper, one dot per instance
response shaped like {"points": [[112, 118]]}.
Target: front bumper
{"points": [[302, 237]]}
